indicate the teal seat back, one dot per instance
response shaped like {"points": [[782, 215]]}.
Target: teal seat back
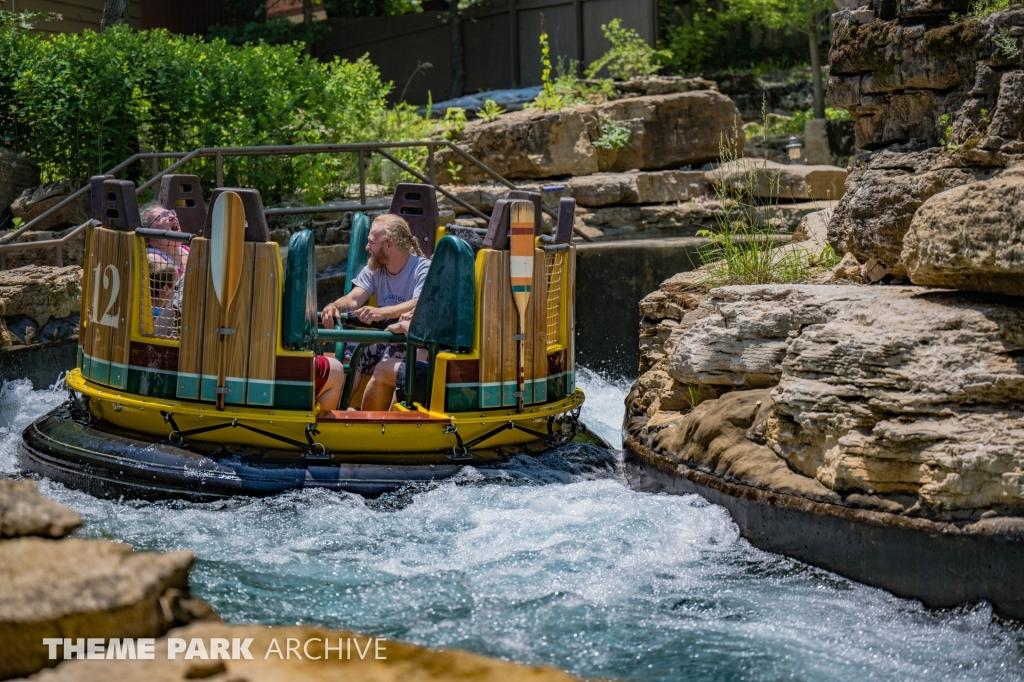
{"points": [[357, 248], [446, 310], [298, 321]]}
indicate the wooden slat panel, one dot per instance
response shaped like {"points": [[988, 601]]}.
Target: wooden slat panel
{"points": [[509, 328], [104, 301], [537, 350], [119, 336], [263, 340], [85, 328], [193, 314], [238, 343], [490, 334]]}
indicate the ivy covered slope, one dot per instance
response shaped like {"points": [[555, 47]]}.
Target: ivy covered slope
{"points": [[80, 104]]}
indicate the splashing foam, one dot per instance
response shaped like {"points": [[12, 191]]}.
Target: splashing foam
{"points": [[547, 560]]}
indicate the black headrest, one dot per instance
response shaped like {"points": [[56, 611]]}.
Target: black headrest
{"points": [[256, 228], [417, 204], [120, 207], [96, 188], [523, 194], [497, 230], [566, 216], [184, 195]]}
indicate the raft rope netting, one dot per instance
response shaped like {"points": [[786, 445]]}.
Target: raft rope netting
{"points": [[554, 303], [160, 287]]}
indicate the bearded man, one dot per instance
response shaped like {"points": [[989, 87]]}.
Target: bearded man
{"points": [[395, 271]]}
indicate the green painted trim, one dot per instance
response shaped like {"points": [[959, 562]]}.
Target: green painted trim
{"points": [[188, 386], [462, 397], [99, 371], [153, 383], [489, 394], [522, 288], [260, 393], [86, 364], [508, 394], [289, 395], [118, 375], [235, 386]]}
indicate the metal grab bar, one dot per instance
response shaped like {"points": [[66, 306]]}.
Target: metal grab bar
{"points": [[218, 153], [47, 243]]}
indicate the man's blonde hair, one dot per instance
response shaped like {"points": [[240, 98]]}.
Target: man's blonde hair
{"points": [[397, 231]]}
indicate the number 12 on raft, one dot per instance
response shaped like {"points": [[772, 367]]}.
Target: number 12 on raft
{"points": [[521, 273], [227, 242]]}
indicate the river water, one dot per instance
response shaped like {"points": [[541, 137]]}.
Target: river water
{"points": [[549, 561]]}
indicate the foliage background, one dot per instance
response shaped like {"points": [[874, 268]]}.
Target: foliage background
{"points": [[80, 104]]}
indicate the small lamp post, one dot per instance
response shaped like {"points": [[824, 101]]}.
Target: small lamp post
{"points": [[794, 150]]}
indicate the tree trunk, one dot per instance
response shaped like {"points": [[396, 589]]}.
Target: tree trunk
{"points": [[819, 91], [458, 71], [307, 13], [114, 12]]}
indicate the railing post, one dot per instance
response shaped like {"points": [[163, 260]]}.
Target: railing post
{"points": [[430, 163], [219, 164], [155, 164], [60, 255], [362, 177], [3, 261]]}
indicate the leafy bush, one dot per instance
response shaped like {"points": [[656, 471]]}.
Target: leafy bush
{"points": [[613, 135], [80, 104], [691, 39], [491, 111], [629, 56]]}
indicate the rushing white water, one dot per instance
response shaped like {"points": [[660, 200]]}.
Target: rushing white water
{"points": [[554, 560]]}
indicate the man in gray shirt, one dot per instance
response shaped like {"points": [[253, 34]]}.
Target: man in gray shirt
{"points": [[394, 272]]}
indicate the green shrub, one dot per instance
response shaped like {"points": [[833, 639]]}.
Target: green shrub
{"points": [[491, 111], [613, 135], [80, 104], [629, 56]]}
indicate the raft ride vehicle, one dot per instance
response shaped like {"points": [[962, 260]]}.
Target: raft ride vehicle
{"points": [[218, 400]]}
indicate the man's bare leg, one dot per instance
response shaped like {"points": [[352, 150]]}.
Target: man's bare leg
{"points": [[381, 388], [331, 395]]}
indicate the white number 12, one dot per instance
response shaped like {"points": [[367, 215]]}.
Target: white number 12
{"points": [[112, 281]]}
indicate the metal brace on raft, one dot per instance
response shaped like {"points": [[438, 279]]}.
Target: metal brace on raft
{"points": [[310, 447], [460, 452]]}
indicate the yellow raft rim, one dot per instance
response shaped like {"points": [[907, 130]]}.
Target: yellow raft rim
{"points": [[351, 435]]}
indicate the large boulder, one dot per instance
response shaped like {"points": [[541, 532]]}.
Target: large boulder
{"points": [[34, 201], [667, 131], [771, 180], [42, 292], [17, 174], [970, 237], [23, 511], [899, 393], [885, 189], [905, 76], [83, 588]]}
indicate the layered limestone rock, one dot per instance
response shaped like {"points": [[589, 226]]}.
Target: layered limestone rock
{"points": [[884, 190], [35, 201], [41, 292], [23, 512], [666, 131], [383, 660], [896, 398], [771, 180], [904, 76], [78, 588], [970, 237]]}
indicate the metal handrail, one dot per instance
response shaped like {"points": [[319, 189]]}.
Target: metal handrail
{"points": [[218, 153], [57, 243]]}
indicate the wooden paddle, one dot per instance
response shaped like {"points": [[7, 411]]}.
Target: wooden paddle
{"points": [[520, 261], [227, 243]]}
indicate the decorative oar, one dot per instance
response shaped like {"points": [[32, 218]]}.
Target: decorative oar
{"points": [[520, 261], [227, 244]]}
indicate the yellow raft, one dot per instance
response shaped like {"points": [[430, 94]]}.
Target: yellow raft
{"points": [[143, 418]]}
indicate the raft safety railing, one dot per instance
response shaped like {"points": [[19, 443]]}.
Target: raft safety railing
{"points": [[361, 149]]}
